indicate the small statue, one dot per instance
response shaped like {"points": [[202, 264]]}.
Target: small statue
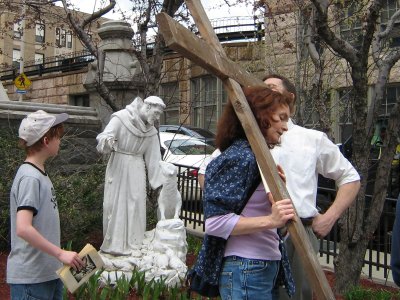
{"points": [[132, 140], [169, 200]]}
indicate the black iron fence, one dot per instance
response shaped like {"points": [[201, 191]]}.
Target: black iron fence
{"points": [[378, 253], [63, 63]]}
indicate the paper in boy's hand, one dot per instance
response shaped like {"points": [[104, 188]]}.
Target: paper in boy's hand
{"points": [[73, 279]]}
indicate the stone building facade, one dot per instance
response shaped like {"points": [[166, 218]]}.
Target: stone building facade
{"points": [[38, 36]]}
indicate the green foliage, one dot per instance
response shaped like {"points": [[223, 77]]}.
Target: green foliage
{"points": [[80, 203], [360, 293], [79, 195], [194, 244], [153, 290], [11, 158]]}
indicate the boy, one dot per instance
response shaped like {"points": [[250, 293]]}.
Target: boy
{"points": [[35, 226]]}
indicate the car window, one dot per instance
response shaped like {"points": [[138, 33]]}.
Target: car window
{"points": [[188, 147], [203, 132], [172, 130]]}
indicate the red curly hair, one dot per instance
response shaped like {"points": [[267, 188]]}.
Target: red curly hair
{"points": [[262, 102]]}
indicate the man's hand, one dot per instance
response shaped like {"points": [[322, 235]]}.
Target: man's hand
{"points": [[322, 225]]}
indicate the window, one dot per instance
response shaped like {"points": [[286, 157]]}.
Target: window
{"points": [[345, 114], [80, 100], [61, 37], [18, 30], [388, 9], [390, 97], [208, 98], [69, 39], [39, 58], [39, 32], [350, 25], [169, 92], [16, 58], [310, 113]]}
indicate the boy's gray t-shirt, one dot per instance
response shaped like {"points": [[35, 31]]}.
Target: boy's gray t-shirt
{"points": [[32, 189]]}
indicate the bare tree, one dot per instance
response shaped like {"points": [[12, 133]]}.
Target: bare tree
{"points": [[359, 223], [149, 56]]}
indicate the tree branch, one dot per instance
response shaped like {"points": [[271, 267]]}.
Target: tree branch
{"points": [[339, 45]]}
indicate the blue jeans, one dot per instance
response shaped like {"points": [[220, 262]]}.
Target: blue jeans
{"points": [[49, 290], [243, 278]]}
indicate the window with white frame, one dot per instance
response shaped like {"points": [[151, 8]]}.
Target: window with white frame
{"points": [[16, 58], [60, 37], [39, 58], [169, 92], [39, 32], [69, 39], [18, 30], [208, 97]]}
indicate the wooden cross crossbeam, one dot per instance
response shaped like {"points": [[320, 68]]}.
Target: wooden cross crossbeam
{"points": [[209, 54]]}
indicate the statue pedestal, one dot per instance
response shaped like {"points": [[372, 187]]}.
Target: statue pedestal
{"points": [[162, 254]]}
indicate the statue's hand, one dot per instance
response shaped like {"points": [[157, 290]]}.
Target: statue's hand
{"points": [[107, 145]]}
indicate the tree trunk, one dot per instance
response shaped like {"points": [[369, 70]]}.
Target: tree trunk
{"points": [[349, 263]]}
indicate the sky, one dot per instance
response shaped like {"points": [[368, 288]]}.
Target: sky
{"points": [[213, 8]]}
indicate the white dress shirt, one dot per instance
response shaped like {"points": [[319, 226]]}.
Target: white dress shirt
{"points": [[305, 153]]}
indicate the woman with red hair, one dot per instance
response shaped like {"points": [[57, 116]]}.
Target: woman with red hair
{"points": [[240, 254]]}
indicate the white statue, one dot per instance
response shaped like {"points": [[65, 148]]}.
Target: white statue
{"points": [[132, 140], [169, 200]]}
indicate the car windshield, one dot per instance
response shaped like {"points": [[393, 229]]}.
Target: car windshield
{"points": [[188, 147]]}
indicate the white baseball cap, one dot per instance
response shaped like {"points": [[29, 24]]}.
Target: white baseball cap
{"points": [[35, 125]]}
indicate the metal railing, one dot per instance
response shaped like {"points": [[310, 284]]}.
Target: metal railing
{"points": [[379, 247], [65, 63], [192, 195], [236, 28], [378, 251]]}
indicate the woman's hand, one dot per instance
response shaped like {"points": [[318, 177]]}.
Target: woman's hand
{"points": [[281, 173], [282, 211]]}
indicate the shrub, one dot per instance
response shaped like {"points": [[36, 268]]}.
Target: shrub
{"points": [[11, 158]]}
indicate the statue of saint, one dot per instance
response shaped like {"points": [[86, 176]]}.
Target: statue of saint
{"points": [[132, 140]]}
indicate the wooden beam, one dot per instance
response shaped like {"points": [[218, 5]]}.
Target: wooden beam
{"points": [[210, 55], [189, 45], [204, 25]]}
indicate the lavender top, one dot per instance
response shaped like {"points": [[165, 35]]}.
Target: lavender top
{"points": [[258, 245]]}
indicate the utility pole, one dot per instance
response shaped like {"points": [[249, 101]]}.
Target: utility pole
{"points": [[21, 64]]}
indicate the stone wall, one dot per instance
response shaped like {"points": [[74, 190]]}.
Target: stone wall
{"points": [[54, 88]]}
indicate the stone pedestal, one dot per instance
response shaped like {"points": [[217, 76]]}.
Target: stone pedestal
{"points": [[121, 71], [161, 255]]}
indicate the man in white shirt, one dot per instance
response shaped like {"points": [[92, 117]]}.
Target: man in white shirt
{"points": [[303, 154]]}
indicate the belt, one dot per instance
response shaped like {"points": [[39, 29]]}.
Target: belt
{"points": [[307, 221]]}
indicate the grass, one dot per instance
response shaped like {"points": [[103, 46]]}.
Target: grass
{"points": [[360, 293]]}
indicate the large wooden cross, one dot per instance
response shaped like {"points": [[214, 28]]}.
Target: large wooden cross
{"points": [[209, 54]]}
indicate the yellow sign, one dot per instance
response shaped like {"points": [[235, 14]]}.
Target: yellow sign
{"points": [[22, 82]]}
